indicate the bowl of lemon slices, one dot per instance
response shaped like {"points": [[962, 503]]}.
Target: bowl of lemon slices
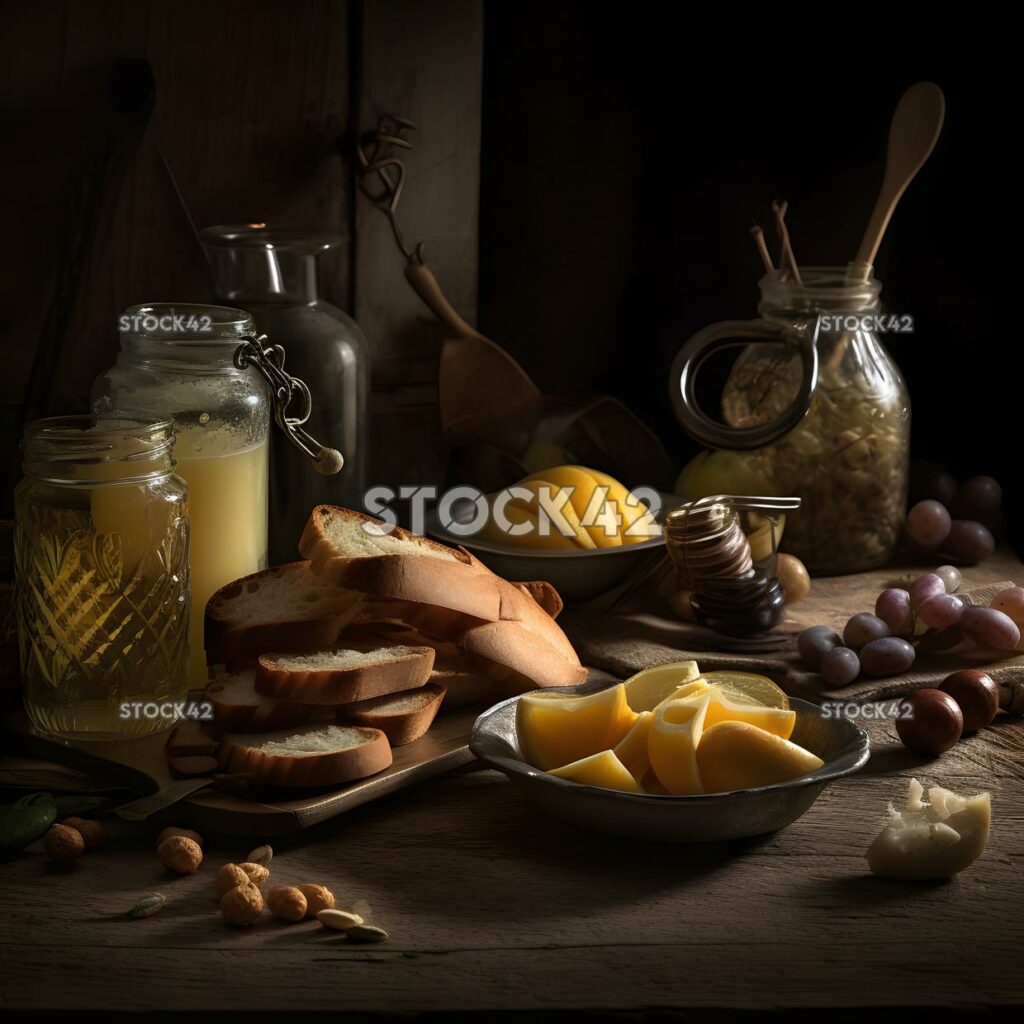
{"points": [[579, 529], [670, 754]]}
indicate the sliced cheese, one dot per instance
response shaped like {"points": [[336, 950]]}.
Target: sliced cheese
{"points": [[737, 755], [602, 769], [673, 740]]}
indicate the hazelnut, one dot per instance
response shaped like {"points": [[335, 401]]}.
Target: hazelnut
{"points": [[180, 854], [94, 835], [63, 844], [976, 694], [229, 876], [934, 725], [318, 898], [242, 905], [171, 831], [256, 873], [287, 902]]}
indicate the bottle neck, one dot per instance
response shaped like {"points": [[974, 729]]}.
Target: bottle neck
{"points": [[820, 290], [246, 274]]}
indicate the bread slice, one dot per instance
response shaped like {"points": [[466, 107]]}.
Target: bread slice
{"points": [[360, 669], [309, 755], [351, 550], [286, 608], [402, 717], [238, 707]]}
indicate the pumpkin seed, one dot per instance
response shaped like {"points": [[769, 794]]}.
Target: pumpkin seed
{"points": [[148, 905], [367, 933], [339, 920], [262, 855]]}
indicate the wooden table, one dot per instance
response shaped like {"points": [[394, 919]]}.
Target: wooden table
{"points": [[491, 907]]}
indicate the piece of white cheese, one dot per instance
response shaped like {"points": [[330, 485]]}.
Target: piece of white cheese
{"points": [[933, 839]]}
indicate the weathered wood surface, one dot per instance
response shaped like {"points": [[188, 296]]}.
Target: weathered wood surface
{"points": [[491, 907]]}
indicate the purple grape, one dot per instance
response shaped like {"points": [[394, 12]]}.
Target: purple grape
{"points": [[979, 498], [969, 541], [950, 576], [863, 627], [893, 608], [988, 627], [940, 639], [886, 657], [840, 666], [941, 611], [924, 588], [928, 524], [814, 642]]}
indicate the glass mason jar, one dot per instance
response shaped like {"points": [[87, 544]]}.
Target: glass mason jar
{"points": [[177, 362], [821, 410], [272, 273], [102, 583]]}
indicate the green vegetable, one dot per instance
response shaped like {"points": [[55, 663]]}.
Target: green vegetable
{"points": [[23, 822]]}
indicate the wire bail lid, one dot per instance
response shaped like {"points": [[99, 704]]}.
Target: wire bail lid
{"points": [[268, 360]]}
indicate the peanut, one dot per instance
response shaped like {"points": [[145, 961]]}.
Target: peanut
{"points": [[242, 905], [180, 854], [63, 844], [318, 897], [287, 903], [228, 877]]}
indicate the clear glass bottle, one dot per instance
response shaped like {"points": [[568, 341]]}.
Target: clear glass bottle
{"points": [[821, 409], [102, 582], [177, 362], [272, 273]]}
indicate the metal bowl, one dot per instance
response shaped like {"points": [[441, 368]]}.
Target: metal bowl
{"points": [[707, 817]]}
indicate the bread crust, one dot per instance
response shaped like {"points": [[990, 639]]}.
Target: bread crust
{"points": [[226, 639], [330, 768], [400, 727], [343, 685], [263, 714]]}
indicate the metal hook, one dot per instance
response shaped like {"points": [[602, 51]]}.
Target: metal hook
{"points": [[268, 360]]}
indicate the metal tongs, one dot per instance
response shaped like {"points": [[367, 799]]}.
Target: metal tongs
{"points": [[269, 361]]}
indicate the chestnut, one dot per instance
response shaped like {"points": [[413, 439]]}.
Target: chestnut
{"points": [[976, 694], [934, 724]]}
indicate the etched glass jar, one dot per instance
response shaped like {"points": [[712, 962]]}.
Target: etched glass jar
{"points": [[102, 581], [820, 410]]}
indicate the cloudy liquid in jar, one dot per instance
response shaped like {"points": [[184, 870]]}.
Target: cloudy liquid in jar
{"points": [[228, 516]]}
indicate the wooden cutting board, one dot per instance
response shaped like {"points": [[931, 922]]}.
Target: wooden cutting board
{"points": [[141, 766]]}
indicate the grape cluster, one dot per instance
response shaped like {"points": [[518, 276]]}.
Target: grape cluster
{"points": [[956, 521], [928, 615]]}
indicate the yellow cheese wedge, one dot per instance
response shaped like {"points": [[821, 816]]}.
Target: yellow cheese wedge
{"points": [[632, 748], [722, 708], [600, 518], [737, 755], [639, 524], [673, 742], [603, 769], [555, 729], [689, 689], [554, 541], [647, 689], [537, 507]]}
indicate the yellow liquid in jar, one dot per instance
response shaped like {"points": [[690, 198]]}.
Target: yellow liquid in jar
{"points": [[102, 602], [227, 498]]}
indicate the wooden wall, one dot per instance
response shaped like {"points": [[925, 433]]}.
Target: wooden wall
{"points": [[257, 106]]}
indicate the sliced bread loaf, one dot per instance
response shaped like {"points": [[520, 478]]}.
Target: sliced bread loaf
{"points": [[287, 608], [309, 755], [402, 717], [238, 707], [357, 552], [362, 668]]}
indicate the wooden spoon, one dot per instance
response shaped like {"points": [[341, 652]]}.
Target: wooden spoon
{"points": [[915, 129]]}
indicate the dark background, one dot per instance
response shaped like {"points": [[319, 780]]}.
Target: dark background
{"points": [[625, 156], [625, 150]]}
